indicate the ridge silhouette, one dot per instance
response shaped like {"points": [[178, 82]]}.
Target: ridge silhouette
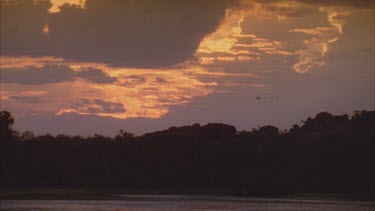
{"points": [[326, 154]]}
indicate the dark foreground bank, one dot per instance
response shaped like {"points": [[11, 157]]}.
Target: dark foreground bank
{"points": [[184, 202], [105, 194], [327, 154]]}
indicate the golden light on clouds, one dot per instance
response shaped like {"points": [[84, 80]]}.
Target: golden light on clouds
{"points": [[227, 43], [136, 93], [151, 92], [223, 40], [19, 62], [58, 3], [224, 44], [317, 47], [255, 39]]}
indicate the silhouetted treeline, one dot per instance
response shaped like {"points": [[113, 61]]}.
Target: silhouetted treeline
{"points": [[326, 154]]}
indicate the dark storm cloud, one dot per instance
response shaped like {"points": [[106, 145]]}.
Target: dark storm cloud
{"points": [[287, 11], [52, 74], [98, 106], [134, 80], [109, 107], [95, 76], [25, 99], [37, 75], [160, 80], [349, 3], [140, 33], [298, 10], [21, 27]]}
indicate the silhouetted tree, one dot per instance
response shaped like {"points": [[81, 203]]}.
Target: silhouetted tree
{"points": [[295, 128], [27, 135], [124, 136], [328, 153], [6, 122]]}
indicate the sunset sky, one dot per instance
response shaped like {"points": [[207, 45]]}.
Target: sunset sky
{"points": [[97, 66]]}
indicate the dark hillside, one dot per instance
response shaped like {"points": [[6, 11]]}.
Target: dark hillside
{"points": [[327, 154]]}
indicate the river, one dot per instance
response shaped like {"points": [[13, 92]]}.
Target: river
{"points": [[182, 202]]}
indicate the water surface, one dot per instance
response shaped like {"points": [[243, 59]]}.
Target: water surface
{"points": [[181, 202]]}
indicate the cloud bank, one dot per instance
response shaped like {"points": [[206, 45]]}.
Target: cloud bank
{"points": [[51, 73], [127, 33]]}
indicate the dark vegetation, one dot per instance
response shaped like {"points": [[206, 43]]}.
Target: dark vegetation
{"points": [[327, 154]]}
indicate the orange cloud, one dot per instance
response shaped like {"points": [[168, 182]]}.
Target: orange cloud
{"points": [[140, 92], [317, 46], [58, 3]]}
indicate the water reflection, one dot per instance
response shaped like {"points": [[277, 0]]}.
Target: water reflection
{"points": [[179, 203]]}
